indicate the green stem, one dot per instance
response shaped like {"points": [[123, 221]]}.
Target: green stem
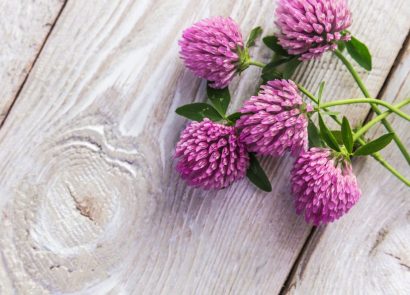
{"points": [[368, 100], [385, 164], [366, 93], [377, 119], [353, 72], [361, 141], [316, 101], [256, 63], [308, 94]]}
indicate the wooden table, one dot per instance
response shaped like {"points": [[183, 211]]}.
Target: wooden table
{"points": [[90, 201]]}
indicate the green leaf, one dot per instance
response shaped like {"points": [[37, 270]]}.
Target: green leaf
{"points": [[375, 145], [291, 67], [313, 135], [234, 117], [198, 111], [269, 73], [272, 43], [255, 33], [347, 135], [277, 62], [327, 135], [280, 68], [341, 46], [256, 174], [321, 87], [360, 53], [338, 135], [220, 98]]}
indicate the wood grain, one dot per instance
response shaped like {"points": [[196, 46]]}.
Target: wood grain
{"points": [[367, 251], [24, 26], [89, 198]]}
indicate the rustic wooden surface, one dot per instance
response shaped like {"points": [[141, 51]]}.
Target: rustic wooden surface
{"points": [[24, 29], [89, 199]]}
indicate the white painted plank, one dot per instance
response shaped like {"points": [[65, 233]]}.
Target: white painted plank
{"points": [[24, 25], [90, 200], [367, 252]]}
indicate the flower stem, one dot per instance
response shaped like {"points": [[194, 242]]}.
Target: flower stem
{"points": [[316, 101], [361, 141], [368, 100], [377, 119], [353, 72], [385, 164], [308, 94], [366, 93], [256, 63]]}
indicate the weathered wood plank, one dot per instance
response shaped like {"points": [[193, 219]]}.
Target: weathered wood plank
{"points": [[89, 197], [367, 251], [24, 26]]}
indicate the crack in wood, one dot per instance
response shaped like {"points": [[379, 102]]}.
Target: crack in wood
{"points": [[399, 259], [389, 76], [381, 236], [84, 207], [30, 68], [288, 282]]}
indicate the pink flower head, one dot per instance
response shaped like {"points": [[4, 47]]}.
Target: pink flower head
{"points": [[323, 185], [210, 49], [275, 120], [210, 155], [311, 27]]}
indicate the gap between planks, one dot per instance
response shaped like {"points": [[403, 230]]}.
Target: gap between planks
{"points": [[389, 75], [8, 111], [315, 233]]}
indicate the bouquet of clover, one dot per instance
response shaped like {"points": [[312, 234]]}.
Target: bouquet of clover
{"points": [[218, 149]]}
